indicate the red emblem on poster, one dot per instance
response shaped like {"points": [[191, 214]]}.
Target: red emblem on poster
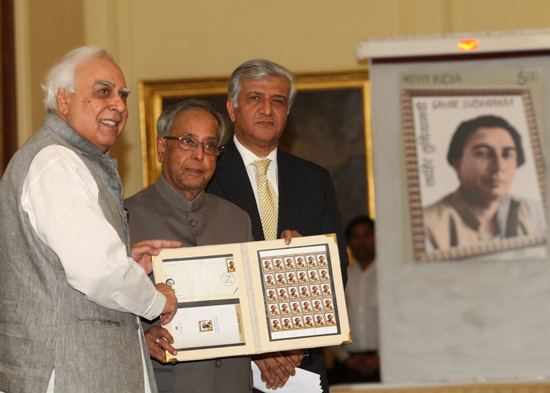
{"points": [[468, 45]]}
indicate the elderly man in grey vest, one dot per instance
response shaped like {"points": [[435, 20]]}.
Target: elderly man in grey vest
{"points": [[71, 287]]}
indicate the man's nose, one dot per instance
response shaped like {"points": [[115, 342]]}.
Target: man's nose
{"points": [[118, 103], [198, 153], [498, 162], [266, 108]]}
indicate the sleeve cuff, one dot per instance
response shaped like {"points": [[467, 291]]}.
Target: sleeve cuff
{"points": [[151, 312], [159, 301]]}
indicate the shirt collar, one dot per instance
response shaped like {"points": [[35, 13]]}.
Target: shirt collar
{"points": [[249, 157], [176, 200], [469, 217]]}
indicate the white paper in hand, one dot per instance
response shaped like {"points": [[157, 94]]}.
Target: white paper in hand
{"points": [[303, 381]]}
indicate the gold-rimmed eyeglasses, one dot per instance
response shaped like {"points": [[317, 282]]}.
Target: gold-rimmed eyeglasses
{"points": [[190, 144]]}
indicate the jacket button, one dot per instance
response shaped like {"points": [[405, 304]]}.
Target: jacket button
{"points": [[193, 223], [218, 363]]}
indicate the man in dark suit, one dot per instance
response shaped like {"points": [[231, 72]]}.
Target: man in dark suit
{"points": [[261, 94]]}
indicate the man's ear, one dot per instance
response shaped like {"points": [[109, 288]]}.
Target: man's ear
{"points": [[161, 148], [230, 110], [62, 99], [456, 166]]}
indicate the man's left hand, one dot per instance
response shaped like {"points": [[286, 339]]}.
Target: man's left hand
{"points": [[158, 340], [143, 250], [277, 367]]}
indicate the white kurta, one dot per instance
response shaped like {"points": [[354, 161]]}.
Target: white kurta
{"points": [[60, 196]]}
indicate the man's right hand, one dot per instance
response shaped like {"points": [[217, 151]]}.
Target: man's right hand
{"points": [[277, 367], [143, 251], [171, 305]]}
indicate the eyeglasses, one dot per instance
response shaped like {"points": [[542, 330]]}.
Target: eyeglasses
{"points": [[190, 144]]}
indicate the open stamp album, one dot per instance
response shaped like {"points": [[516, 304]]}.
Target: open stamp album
{"points": [[256, 297]]}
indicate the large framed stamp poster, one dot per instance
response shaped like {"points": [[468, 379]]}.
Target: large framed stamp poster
{"points": [[460, 142]]}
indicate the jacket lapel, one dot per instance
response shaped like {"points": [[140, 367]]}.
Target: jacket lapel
{"points": [[290, 184], [233, 179]]}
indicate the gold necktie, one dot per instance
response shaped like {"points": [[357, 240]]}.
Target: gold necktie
{"points": [[269, 202]]}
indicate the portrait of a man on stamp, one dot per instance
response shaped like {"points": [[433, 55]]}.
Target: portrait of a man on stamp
{"points": [[475, 171]]}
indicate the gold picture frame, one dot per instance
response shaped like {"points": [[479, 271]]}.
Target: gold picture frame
{"points": [[329, 118]]}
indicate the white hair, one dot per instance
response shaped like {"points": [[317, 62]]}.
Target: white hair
{"points": [[257, 69], [63, 74], [168, 117]]}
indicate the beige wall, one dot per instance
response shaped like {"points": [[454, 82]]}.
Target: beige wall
{"points": [[175, 38]]}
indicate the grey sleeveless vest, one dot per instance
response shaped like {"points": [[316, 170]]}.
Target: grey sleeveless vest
{"points": [[44, 322]]}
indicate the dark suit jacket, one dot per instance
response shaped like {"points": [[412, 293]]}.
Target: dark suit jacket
{"points": [[307, 203]]}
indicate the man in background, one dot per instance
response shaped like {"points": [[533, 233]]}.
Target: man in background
{"points": [[70, 287], [176, 207], [278, 190], [359, 361]]}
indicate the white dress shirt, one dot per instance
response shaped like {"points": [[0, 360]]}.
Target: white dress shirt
{"points": [[248, 158], [362, 305]]}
